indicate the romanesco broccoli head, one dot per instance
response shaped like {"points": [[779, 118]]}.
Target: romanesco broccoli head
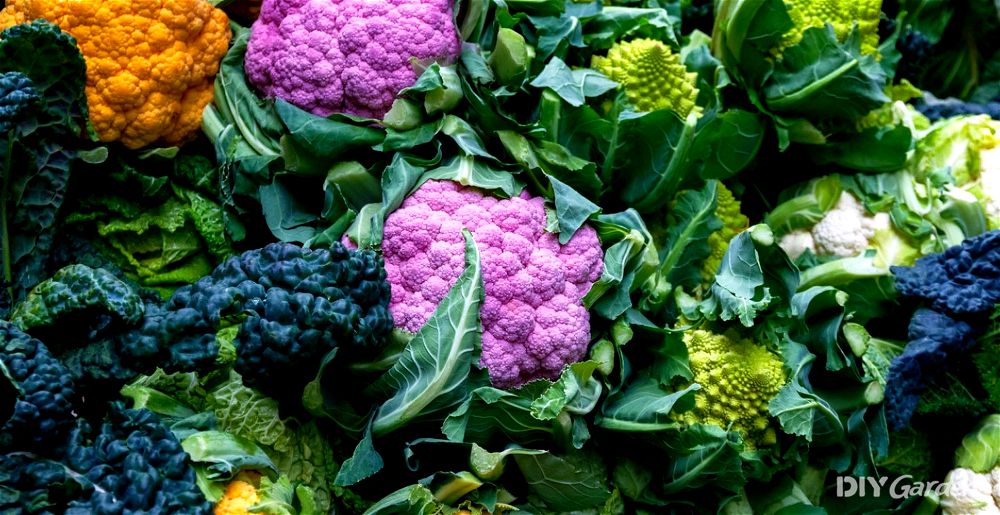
{"points": [[652, 75], [733, 222], [738, 379], [841, 14]]}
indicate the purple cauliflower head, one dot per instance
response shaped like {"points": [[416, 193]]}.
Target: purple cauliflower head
{"points": [[533, 319], [346, 56]]}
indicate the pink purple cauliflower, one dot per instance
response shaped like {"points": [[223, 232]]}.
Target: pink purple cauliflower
{"points": [[346, 56], [533, 320]]}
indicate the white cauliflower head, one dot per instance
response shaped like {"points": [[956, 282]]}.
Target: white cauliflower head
{"points": [[845, 231], [970, 493]]}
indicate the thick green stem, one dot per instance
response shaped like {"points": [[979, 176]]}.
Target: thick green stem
{"points": [[608, 167], [666, 187], [8, 275]]}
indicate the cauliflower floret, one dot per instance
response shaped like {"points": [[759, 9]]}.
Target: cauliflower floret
{"points": [[797, 242], [995, 478], [969, 493], [349, 56], [845, 231], [533, 319]]}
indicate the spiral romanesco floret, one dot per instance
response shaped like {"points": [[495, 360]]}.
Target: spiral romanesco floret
{"points": [[652, 74], [727, 210], [841, 14], [738, 379]]}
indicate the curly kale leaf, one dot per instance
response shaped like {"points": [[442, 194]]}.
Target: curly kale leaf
{"points": [[934, 337], [135, 465], [962, 280], [41, 392], [292, 306], [31, 484], [78, 290], [42, 110]]}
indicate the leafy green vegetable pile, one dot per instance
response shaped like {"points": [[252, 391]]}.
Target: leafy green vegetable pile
{"points": [[501, 256]]}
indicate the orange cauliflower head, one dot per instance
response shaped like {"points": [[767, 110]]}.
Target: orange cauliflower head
{"points": [[150, 63]]}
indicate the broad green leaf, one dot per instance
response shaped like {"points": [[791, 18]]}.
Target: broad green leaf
{"points": [[576, 390], [645, 407], [707, 455], [477, 173], [574, 86], [325, 137], [574, 482], [490, 415], [729, 143], [739, 285], [821, 78], [247, 413], [572, 209], [689, 224], [821, 310], [658, 159], [363, 463], [285, 213], [431, 373], [409, 500], [796, 407], [226, 454], [553, 160], [465, 136], [614, 23]]}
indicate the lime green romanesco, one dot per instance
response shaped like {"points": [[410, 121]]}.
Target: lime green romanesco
{"points": [[841, 14], [738, 379], [733, 222], [652, 75]]}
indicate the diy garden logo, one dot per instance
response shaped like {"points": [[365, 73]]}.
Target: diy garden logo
{"points": [[901, 487]]}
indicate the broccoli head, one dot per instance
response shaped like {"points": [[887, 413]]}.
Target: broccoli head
{"points": [[738, 379], [43, 392], [653, 76]]}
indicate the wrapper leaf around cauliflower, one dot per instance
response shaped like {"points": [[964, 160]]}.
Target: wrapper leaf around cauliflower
{"points": [[350, 56], [150, 64], [843, 15], [738, 379], [533, 319], [652, 75]]}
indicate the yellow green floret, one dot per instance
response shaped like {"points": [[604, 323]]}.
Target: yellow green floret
{"points": [[841, 14], [652, 75], [734, 222], [738, 379]]}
